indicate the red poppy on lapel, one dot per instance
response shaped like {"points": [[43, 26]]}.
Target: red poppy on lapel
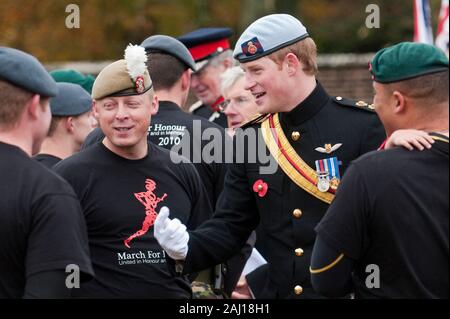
{"points": [[260, 187]]}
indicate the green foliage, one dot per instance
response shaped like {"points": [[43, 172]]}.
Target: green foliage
{"points": [[107, 26]]}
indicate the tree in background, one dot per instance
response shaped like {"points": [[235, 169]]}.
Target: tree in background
{"points": [[107, 26]]}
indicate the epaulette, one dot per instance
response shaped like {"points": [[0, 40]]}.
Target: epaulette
{"points": [[256, 120], [359, 105], [194, 107]]}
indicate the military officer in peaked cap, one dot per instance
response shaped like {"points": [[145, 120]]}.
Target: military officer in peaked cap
{"points": [[210, 49], [312, 136]]}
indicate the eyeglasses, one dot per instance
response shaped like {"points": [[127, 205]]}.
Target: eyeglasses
{"points": [[238, 102]]}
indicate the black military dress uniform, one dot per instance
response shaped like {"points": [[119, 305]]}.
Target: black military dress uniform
{"points": [[287, 205]]}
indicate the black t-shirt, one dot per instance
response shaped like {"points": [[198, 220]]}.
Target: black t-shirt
{"points": [[41, 224], [118, 197], [391, 211], [47, 160]]}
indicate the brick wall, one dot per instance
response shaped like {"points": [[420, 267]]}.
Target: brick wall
{"points": [[351, 82], [346, 74]]}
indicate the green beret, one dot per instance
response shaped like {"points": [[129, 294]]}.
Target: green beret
{"points": [[125, 77], [75, 77], [407, 60]]}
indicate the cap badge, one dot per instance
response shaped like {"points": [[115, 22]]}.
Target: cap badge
{"points": [[252, 47], [139, 84]]}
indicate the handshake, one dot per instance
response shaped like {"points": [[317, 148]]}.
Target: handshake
{"points": [[171, 234]]}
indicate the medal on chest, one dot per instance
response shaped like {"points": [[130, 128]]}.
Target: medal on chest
{"points": [[327, 174]]}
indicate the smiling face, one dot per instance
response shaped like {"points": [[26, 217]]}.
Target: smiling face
{"points": [[266, 82], [125, 120], [240, 104]]}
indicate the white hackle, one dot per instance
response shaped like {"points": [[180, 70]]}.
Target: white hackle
{"points": [[135, 58]]}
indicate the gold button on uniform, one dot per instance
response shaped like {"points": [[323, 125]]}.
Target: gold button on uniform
{"points": [[297, 213], [295, 136], [339, 98], [298, 290], [361, 103], [299, 252], [260, 187]]}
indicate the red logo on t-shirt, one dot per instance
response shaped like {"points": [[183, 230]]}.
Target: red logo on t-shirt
{"points": [[150, 201]]}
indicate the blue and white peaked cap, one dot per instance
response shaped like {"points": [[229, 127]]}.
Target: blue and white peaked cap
{"points": [[267, 35]]}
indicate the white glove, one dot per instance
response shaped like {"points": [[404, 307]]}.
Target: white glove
{"points": [[171, 234]]}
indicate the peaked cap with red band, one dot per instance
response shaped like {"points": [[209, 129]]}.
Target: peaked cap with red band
{"points": [[206, 43]]}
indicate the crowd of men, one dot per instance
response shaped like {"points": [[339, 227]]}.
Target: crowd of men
{"points": [[269, 188]]}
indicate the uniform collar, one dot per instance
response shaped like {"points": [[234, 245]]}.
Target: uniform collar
{"points": [[309, 107], [168, 106]]}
